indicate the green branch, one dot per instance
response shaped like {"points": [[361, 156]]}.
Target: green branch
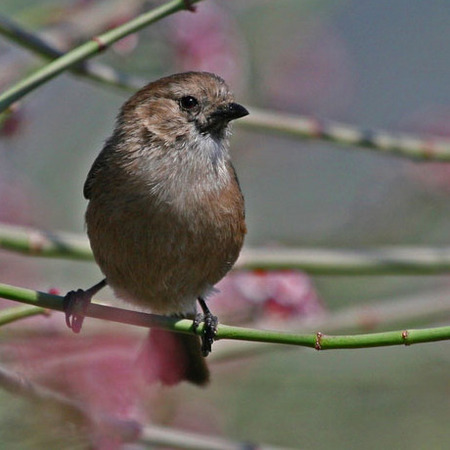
{"points": [[9, 315], [304, 127], [369, 261], [317, 340], [34, 242], [85, 51], [94, 71], [376, 261]]}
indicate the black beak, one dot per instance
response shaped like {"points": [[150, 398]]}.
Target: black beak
{"points": [[229, 112], [218, 119]]}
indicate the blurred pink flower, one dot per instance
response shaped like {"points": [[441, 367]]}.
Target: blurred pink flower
{"points": [[16, 200], [12, 124], [310, 74], [128, 44], [97, 371], [19, 205], [432, 122], [101, 372], [209, 40], [282, 294]]}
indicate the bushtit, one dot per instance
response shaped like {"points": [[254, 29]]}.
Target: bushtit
{"points": [[165, 216]]}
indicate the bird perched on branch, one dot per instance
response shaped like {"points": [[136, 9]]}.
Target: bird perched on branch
{"points": [[165, 216]]}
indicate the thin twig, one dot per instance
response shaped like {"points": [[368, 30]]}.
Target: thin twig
{"points": [[125, 430], [33, 242], [314, 340], [155, 435], [92, 70], [398, 260], [426, 307], [369, 261], [304, 127], [9, 315], [87, 50]]}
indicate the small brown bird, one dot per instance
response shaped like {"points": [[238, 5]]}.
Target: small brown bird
{"points": [[166, 214]]}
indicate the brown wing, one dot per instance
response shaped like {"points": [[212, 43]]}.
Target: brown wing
{"points": [[97, 166]]}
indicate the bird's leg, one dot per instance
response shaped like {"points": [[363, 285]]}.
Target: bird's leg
{"points": [[76, 304], [209, 328]]}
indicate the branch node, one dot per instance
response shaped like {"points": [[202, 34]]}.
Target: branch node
{"points": [[429, 149], [317, 128], [318, 344], [102, 46], [367, 138], [405, 336], [36, 242]]}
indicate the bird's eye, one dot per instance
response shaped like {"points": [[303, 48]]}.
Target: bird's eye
{"points": [[188, 102]]}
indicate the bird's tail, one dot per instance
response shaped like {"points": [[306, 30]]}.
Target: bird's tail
{"points": [[174, 357]]}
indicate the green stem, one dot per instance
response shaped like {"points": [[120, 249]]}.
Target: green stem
{"points": [[34, 242], [320, 341], [314, 340], [26, 39], [14, 314], [303, 127], [94, 71], [86, 51], [364, 261], [377, 261]]}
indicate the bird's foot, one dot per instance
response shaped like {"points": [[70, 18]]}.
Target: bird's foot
{"points": [[76, 304], [210, 323]]}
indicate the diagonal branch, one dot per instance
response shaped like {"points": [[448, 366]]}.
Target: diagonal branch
{"points": [[9, 315], [126, 430], [303, 127], [94, 71], [87, 50]]}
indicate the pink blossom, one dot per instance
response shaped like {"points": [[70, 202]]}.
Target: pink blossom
{"points": [[278, 293], [430, 123], [209, 40]]}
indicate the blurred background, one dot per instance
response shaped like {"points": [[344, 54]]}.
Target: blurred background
{"points": [[372, 64]]}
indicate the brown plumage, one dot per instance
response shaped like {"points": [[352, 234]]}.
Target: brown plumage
{"points": [[166, 215]]}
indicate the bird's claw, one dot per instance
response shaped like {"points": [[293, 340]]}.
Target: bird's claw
{"points": [[75, 306], [210, 323]]}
